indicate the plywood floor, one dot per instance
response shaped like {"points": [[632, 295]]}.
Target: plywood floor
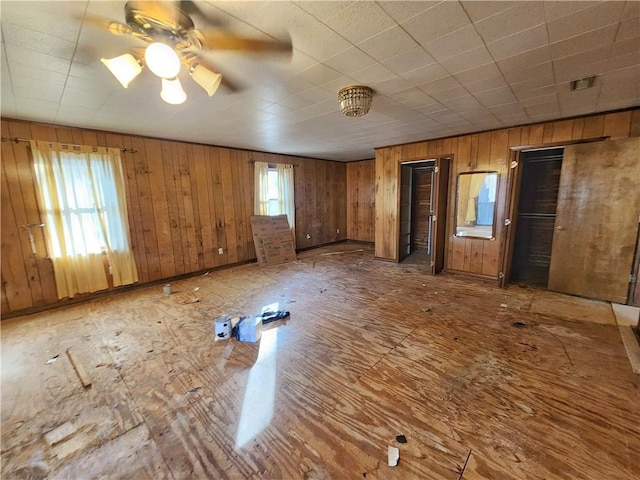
{"points": [[480, 385]]}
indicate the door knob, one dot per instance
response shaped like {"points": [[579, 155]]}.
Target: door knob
{"points": [[559, 227]]}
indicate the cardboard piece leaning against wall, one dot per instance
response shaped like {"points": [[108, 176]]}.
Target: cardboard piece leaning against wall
{"points": [[272, 239]]}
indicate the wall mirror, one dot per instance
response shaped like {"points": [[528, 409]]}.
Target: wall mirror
{"points": [[475, 204]]}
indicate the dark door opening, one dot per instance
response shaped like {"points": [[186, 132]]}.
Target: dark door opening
{"points": [[423, 208], [536, 216]]}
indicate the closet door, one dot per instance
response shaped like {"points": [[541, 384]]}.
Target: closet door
{"points": [[597, 220]]}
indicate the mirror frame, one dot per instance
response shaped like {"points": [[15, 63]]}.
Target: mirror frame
{"points": [[458, 208]]}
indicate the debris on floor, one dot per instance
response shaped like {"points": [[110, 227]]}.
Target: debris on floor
{"points": [[268, 317], [85, 379], [426, 309], [519, 324], [222, 327], [393, 455], [52, 359], [504, 305], [401, 439]]}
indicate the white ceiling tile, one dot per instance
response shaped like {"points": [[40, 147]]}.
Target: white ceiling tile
{"points": [[527, 59], [36, 89], [506, 109], [623, 61], [562, 8], [350, 60], [579, 66], [519, 43], [373, 75], [454, 43], [533, 72], [323, 10], [446, 96], [388, 43], [318, 74], [497, 96], [19, 55], [392, 86], [17, 36], [534, 87], [547, 99], [521, 16], [46, 17], [349, 24], [476, 74], [439, 85], [426, 74], [409, 60], [595, 39], [402, 11], [469, 59], [486, 84], [601, 15], [414, 98], [478, 10], [434, 109], [436, 22], [629, 29]]}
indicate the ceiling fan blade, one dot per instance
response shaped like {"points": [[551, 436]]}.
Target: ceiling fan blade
{"points": [[214, 40], [116, 28]]}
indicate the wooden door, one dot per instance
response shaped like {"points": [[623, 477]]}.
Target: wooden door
{"points": [[439, 219], [597, 220]]}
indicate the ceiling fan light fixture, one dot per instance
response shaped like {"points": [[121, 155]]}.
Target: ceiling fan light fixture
{"points": [[355, 100], [172, 92], [162, 60], [207, 79], [124, 67]]}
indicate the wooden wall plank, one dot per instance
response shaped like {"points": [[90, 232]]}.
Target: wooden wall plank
{"points": [[134, 212], [160, 207], [173, 212], [148, 225]]}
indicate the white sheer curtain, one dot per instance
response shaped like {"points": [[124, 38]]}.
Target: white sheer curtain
{"points": [[81, 192], [261, 202], [286, 204], [286, 199]]}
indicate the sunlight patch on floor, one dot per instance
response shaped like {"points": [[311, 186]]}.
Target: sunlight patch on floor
{"points": [[257, 406]]}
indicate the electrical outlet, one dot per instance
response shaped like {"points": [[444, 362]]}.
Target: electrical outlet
{"points": [[220, 251], [308, 236], [338, 231]]}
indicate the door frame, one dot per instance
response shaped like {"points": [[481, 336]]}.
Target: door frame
{"points": [[438, 208]]}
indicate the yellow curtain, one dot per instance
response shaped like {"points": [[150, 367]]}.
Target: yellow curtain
{"points": [[81, 193], [476, 181], [261, 199], [286, 198]]}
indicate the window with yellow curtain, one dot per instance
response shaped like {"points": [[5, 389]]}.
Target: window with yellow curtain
{"points": [[274, 192], [81, 194]]}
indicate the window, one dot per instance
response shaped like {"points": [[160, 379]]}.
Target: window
{"points": [[274, 192], [81, 194]]}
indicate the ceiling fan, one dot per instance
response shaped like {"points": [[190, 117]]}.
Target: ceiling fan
{"points": [[173, 42]]}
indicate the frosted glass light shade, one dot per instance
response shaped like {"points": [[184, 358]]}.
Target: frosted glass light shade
{"points": [[162, 60], [207, 79], [125, 68], [172, 92]]}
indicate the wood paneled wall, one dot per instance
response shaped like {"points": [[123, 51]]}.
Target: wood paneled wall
{"points": [[483, 151], [185, 201], [361, 200]]}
